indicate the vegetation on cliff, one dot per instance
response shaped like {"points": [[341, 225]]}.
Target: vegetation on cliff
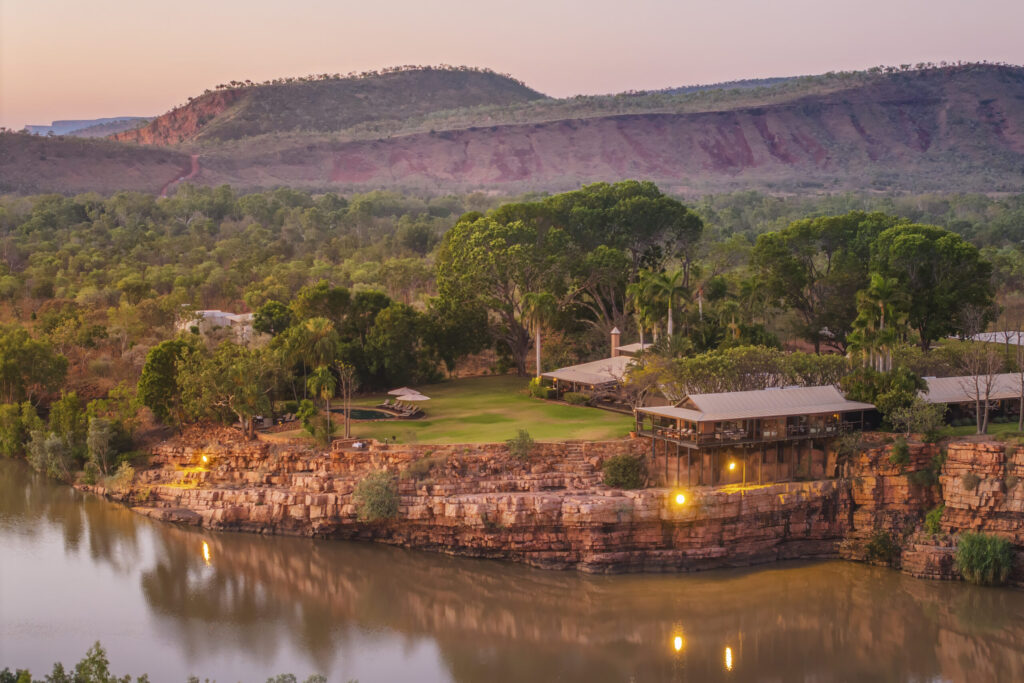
{"points": [[984, 559]]}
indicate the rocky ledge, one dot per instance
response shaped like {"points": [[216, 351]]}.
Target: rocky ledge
{"points": [[553, 511]]}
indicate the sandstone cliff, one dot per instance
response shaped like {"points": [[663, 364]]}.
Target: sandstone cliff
{"points": [[553, 511]]}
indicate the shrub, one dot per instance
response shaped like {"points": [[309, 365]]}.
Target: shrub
{"points": [[376, 497], [420, 469], [520, 446], [882, 547], [121, 480], [919, 417], [538, 390], [970, 481], [933, 520], [91, 473], [984, 559], [1010, 481], [900, 453], [923, 478], [576, 398], [306, 412], [624, 472]]}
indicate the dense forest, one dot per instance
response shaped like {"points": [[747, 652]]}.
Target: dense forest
{"points": [[374, 290]]}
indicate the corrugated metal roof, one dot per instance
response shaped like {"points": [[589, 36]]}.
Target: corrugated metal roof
{"points": [[962, 389], [595, 372], [1008, 337], [633, 348], [740, 405]]}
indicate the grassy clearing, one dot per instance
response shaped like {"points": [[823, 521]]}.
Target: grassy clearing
{"points": [[489, 409], [998, 430]]}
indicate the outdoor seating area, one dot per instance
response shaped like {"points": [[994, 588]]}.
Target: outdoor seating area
{"points": [[405, 403], [401, 409]]}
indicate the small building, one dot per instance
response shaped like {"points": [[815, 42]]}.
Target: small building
{"points": [[214, 322], [960, 393], [1006, 337], [601, 376], [706, 438]]}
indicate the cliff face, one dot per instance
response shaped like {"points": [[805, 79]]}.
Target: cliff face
{"points": [[182, 123], [552, 510]]}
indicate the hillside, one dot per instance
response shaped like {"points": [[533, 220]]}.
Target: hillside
{"points": [[332, 104], [941, 129], [32, 164], [949, 129], [88, 127]]}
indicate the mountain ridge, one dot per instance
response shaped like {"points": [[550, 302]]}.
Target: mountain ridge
{"points": [[954, 128]]}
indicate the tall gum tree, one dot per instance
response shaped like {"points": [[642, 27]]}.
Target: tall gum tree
{"points": [[941, 275], [497, 264]]}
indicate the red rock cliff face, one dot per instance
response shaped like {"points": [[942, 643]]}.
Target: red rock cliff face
{"points": [[183, 123], [553, 511], [478, 501]]}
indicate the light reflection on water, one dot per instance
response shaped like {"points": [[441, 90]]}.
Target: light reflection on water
{"points": [[175, 601]]}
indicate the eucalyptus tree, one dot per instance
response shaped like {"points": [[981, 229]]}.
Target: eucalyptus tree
{"points": [[486, 262], [815, 266], [940, 274]]}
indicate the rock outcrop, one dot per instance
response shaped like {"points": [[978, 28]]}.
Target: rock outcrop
{"points": [[553, 511]]}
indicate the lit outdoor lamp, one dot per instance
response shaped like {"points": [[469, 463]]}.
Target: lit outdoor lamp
{"points": [[679, 498]]}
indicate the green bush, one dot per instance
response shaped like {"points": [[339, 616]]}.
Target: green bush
{"points": [[91, 473], [984, 559], [576, 398], [624, 472], [1010, 481], [925, 478], [970, 481], [539, 390], [376, 497], [121, 480], [900, 453], [933, 520], [882, 547], [521, 445], [420, 469]]}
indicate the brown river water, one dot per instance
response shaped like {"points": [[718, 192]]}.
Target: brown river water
{"points": [[172, 602]]}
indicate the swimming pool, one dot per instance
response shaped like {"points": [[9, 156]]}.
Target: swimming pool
{"points": [[365, 414]]}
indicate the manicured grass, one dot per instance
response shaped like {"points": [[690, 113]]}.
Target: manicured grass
{"points": [[1006, 429], [489, 409]]}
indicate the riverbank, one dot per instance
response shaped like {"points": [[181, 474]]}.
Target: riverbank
{"points": [[552, 510]]}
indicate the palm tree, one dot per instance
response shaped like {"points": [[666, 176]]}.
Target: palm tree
{"points": [[878, 326], [637, 293], [322, 383], [664, 288], [540, 309], [320, 342]]}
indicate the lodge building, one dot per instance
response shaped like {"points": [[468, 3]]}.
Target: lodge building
{"points": [[749, 436]]}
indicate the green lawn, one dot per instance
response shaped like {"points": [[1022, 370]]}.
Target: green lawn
{"points": [[488, 409], [1005, 429]]}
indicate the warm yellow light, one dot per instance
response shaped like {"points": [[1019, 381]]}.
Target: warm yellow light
{"points": [[732, 466], [206, 553], [205, 460], [677, 643], [728, 659], [680, 499]]}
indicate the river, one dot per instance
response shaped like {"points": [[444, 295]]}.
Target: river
{"points": [[172, 602]]}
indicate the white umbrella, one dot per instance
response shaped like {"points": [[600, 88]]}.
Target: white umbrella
{"points": [[401, 392], [415, 396]]}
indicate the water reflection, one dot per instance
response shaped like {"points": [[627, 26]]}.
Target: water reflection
{"points": [[327, 606]]}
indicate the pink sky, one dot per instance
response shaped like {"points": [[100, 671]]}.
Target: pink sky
{"points": [[63, 59]]}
